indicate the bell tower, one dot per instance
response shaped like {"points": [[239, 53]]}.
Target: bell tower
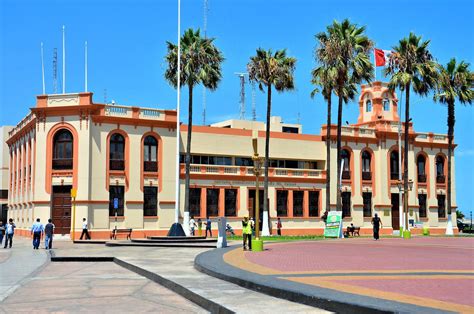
{"points": [[377, 103]]}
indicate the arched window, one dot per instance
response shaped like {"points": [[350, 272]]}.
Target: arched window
{"points": [[366, 171], [440, 169], [420, 165], [117, 152], [150, 151], [62, 150], [346, 171], [368, 106], [386, 104], [394, 170]]}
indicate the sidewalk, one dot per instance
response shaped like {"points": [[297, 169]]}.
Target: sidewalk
{"points": [[174, 267], [18, 264]]}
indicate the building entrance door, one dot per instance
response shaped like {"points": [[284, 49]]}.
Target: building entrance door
{"points": [[253, 204], [61, 209], [395, 212]]}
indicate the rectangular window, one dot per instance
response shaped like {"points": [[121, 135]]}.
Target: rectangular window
{"points": [[346, 204], [289, 129], [231, 202], [195, 202], [116, 192], [422, 203], [241, 161], [298, 197], [150, 201], [367, 198], [212, 200], [313, 203], [282, 203], [441, 206]]}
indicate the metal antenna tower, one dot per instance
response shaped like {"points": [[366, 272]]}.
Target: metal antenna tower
{"points": [[242, 75], [204, 105], [254, 106], [105, 95], [55, 70]]}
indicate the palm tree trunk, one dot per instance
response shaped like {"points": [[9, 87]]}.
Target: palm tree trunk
{"points": [[339, 131], [188, 149], [405, 158], [451, 121], [267, 149], [328, 157]]}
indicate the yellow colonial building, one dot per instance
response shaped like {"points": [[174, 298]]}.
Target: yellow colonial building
{"points": [[109, 151]]}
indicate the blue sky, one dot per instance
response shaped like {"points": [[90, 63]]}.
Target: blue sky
{"points": [[126, 40]]}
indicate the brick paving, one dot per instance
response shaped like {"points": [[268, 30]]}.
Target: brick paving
{"points": [[429, 272]]}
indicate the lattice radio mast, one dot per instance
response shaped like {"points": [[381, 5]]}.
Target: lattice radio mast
{"points": [[254, 105], [242, 75], [55, 70]]}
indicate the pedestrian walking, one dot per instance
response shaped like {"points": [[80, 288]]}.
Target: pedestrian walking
{"points": [[192, 225], [9, 232], [324, 217], [252, 226], [2, 232], [48, 235], [208, 226], [85, 229], [279, 226], [247, 234], [37, 230], [199, 227], [377, 223]]}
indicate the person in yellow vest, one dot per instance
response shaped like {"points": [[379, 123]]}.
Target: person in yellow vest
{"points": [[199, 223], [247, 234]]}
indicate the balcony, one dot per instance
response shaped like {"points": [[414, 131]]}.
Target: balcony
{"points": [[440, 179], [366, 175], [248, 171], [422, 178], [150, 166], [62, 164], [117, 164], [346, 175]]}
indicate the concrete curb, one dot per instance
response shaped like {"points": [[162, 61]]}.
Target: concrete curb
{"points": [[212, 263], [173, 286]]}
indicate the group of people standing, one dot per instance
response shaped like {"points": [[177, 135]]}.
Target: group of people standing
{"points": [[193, 224], [7, 231]]}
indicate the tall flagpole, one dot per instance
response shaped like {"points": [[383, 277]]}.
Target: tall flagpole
{"points": [[85, 68], [64, 61], [42, 68], [176, 214], [375, 67]]}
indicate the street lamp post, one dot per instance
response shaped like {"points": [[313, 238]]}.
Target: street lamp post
{"points": [[406, 232], [257, 244]]}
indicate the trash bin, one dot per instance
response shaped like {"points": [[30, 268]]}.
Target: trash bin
{"points": [[426, 231]]}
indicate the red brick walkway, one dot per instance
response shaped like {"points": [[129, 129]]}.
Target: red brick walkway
{"points": [[433, 272]]}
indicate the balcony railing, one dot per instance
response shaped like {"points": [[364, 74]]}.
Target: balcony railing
{"points": [[117, 164], [422, 178], [248, 171], [62, 164], [346, 175], [366, 175], [440, 179], [150, 166]]}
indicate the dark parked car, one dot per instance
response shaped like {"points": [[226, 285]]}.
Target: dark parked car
{"points": [[463, 227]]}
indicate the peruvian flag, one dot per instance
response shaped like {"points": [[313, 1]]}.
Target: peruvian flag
{"points": [[381, 57]]}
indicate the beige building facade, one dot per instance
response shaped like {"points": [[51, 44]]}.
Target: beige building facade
{"points": [[122, 161]]}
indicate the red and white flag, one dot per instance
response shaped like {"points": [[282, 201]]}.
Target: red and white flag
{"points": [[381, 57]]}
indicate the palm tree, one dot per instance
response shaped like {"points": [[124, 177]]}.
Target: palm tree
{"points": [[347, 54], [411, 66], [455, 81], [200, 64], [271, 70]]}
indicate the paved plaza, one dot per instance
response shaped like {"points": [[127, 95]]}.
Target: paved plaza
{"points": [[416, 275]]}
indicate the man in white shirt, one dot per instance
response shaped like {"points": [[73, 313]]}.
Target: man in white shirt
{"points": [[85, 230], [9, 231], [37, 231]]}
